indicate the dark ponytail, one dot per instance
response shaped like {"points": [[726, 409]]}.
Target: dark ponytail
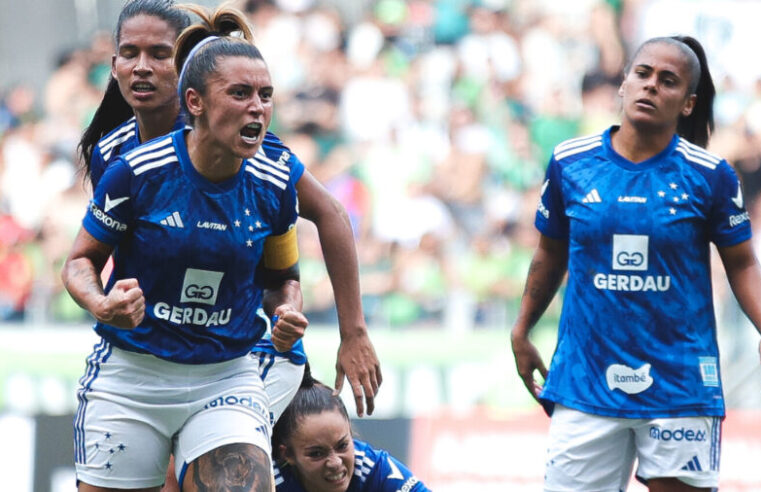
{"points": [[699, 125], [312, 397], [113, 109]]}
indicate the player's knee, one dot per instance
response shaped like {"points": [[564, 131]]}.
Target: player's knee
{"points": [[236, 466]]}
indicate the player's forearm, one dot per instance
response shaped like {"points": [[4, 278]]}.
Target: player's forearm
{"points": [[82, 280], [317, 205], [340, 254], [747, 296], [545, 275], [288, 292], [81, 272], [744, 276]]}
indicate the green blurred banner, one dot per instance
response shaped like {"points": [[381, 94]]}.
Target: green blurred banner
{"points": [[423, 370]]}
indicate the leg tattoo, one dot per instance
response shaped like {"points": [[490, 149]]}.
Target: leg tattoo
{"points": [[231, 468]]}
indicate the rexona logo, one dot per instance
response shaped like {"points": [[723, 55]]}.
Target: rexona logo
{"points": [[541, 208], [201, 286], [107, 220], [736, 220], [409, 484], [680, 434], [283, 158], [628, 380]]}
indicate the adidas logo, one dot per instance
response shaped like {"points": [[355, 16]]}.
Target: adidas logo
{"points": [[693, 465], [592, 197], [173, 220]]}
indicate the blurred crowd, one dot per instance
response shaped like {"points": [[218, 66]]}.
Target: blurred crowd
{"points": [[431, 120]]}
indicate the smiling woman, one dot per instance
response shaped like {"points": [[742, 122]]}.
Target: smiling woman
{"points": [[202, 238]]}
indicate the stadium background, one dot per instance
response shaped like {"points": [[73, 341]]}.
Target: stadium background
{"points": [[432, 121]]}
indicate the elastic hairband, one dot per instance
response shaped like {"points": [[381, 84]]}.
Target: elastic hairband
{"points": [[187, 60]]}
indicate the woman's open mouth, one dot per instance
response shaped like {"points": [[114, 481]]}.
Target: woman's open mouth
{"points": [[142, 88], [251, 132]]}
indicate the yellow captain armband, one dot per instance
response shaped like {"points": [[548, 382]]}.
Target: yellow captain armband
{"points": [[281, 252]]}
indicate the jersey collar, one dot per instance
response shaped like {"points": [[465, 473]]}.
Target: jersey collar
{"points": [[625, 163], [194, 176]]}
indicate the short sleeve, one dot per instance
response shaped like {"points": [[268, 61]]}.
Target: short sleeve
{"points": [[551, 219], [395, 476], [295, 166], [729, 220], [288, 211], [110, 212]]}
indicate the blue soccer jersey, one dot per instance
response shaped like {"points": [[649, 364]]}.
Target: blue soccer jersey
{"points": [[374, 471], [118, 141], [126, 137], [637, 334], [193, 246]]}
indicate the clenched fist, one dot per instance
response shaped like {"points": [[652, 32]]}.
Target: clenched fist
{"points": [[288, 328], [123, 306]]}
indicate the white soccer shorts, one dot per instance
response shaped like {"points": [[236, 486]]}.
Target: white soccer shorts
{"points": [[594, 453], [136, 409], [282, 379]]}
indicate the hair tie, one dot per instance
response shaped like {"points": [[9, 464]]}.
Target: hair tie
{"points": [[187, 60]]}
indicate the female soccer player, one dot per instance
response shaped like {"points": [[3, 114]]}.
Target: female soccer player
{"points": [[630, 215], [203, 237], [141, 103], [316, 452]]}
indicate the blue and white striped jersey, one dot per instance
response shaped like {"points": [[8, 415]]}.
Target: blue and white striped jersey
{"points": [[374, 471], [118, 141], [126, 137], [637, 334], [193, 245]]}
